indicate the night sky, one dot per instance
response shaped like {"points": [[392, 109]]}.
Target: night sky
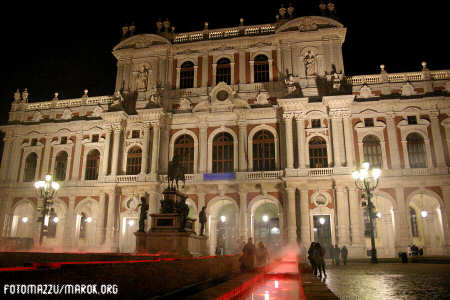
{"points": [[66, 48]]}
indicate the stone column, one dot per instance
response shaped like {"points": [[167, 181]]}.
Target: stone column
{"points": [[358, 240], [100, 230], [15, 160], [301, 147], [77, 157], [5, 158], [338, 145], [292, 223], [270, 69], [437, 140], [106, 146], [289, 143], [393, 141], [203, 140], [46, 158], [214, 72], [243, 213], [5, 215], [155, 150], [112, 223], [242, 147], [401, 221], [115, 154], [195, 76], [342, 212], [349, 140], [144, 163], [69, 225], [405, 153], [305, 228], [232, 73], [205, 71], [178, 78], [252, 71]]}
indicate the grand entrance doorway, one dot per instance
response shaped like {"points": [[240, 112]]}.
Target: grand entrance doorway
{"points": [[322, 232]]}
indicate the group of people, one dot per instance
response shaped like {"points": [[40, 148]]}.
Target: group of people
{"points": [[253, 257], [316, 257], [414, 250], [337, 254]]}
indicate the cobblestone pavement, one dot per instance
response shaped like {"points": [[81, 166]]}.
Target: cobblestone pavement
{"points": [[390, 281]]}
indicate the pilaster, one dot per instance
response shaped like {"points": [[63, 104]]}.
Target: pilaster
{"points": [[155, 150], [305, 230], [69, 224], [349, 140], [144, 163], [356, 228], [342, 212], [289, 141], [292, 223], [393, 141], [301, 147], [402, 221], [106, 147], [242, 147], [203, 140], [437, 140], [243, 228], [115, 155]]}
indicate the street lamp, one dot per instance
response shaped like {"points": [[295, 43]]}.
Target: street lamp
{"points": [[46, 189], [366, 179]]}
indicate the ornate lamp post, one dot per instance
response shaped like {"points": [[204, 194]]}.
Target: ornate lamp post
{"points": [[366, 179], [45, 190]]}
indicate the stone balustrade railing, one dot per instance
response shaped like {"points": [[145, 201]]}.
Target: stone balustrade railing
{"points": [[224, 33], [397, 77], [69, 103], [320, 172]]}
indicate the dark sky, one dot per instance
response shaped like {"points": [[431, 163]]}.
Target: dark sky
{"points": [[65, 48]]}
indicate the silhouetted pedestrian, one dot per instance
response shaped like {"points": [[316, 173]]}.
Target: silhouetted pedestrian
{"points": [[318, 256], [311, 258], [337, 254], [344, 253], [249, 256]]}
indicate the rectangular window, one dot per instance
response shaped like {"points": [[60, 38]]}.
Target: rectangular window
{"points": [[368, 122], [33, 142], [135, 134], [64, 140], [315, 123], [412, 120], [95, 138]]}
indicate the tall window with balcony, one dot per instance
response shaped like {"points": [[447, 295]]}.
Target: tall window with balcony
{"points": [[413, 220], [92, 165], [61, 166], [263, 151], [30, 167], [416, 150], [261, 68], [187, 75], [372, 151], [318, 153], [184, 149], [222, 156], [223, 71], [134, 160]]}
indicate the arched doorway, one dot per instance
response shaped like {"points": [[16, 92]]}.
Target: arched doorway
{"points": [[85, 224], [426, 223], [24, 220], [266, 225], [223, 218], [384, 230]]}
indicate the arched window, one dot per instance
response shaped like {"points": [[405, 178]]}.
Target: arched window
{"points": [[416, 151], [184, 149], [92, 165], [263, 151], [318, 153], [134, 160], [372, 151], [223, 71], [413, 219], [61, 166], [261, 69], [187, 75], [222, 156], [30, 167]]}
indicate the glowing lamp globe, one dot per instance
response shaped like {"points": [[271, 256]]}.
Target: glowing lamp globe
{"points": [[223, 219], [265, 218], [424, 213], [322, 221]]}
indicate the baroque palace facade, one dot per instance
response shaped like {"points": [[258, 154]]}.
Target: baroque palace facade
{"points": [[268, 128]]}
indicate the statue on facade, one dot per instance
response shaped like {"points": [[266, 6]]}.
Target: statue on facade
{"points": [[142, 78], [17, 97], [25, 96], [202, 219], [175, 173], [143, 214], [310, 63]]}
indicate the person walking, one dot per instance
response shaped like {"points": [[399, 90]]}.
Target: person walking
{"points": [[337, 254], [262, 255], [311, 258], [344, 253], [318, 256], [249, 256]]}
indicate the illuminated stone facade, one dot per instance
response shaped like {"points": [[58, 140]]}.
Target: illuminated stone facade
{"points": [[267, 124]]}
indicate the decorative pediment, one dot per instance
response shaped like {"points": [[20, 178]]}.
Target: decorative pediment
{"points": [[309, 23], [142, 41], [221, 94]]}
